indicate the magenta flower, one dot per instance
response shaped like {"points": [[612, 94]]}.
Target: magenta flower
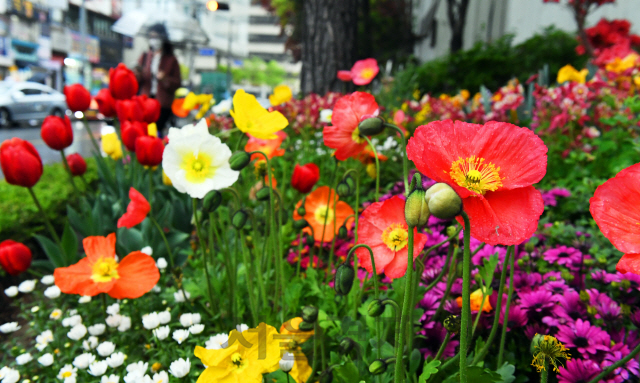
{"points": [[578, 371], [563, 256], [538, 304], [569, 307], [587, 339], [434, 338], [517, 317], [622, 373]]}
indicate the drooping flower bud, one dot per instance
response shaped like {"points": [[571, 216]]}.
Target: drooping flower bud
{"points": [[376, 308], [239, 160], [371, 126], [350, 181], [211, 201], [416, 209], [344, 279], [309, 240], [263, 194], [305, 326], [343, 233], [300, 224], [451, 231], [343, 189], [301, 211], [379, 366], [309, 314], [443, 201], [346, 345], [452, 324], [239, 219], [529, 247]]}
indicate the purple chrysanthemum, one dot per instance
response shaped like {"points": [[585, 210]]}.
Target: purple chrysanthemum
{"points": [[584, 337], [531, 330], [430, 303], [538, 303], [563, 256], [434, 338], [578, 371], [622, 373], [486, 252], [557, 287], [517, 317]]}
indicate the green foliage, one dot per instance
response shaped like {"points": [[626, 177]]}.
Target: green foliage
{"points": [[490, 64], [258, 72], [20, 218]]}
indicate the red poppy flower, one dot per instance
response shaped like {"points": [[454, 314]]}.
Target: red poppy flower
{"points": [[305, 177], [492, 168], [270, 147], [99, 272], [364, 71], [614, 207], [382, 226], [344, 135], [345, 75], [137, 210], [318, 211]]}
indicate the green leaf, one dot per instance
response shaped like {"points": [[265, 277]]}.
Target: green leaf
{"points": [[69, 243], [414, 361], [130, 240], [346, 373], [481, 375], [506, 372], [52, 251], [42, 264], [488, 270], [430, 368]]}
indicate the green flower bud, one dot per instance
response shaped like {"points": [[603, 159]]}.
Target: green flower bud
{"points": [[452, 324], [589, 262], [346, 345], [592, 310], [309, 314], [343, 189], [371, 126], [521, 262], [416, 209], [376, 308], [239, 160], [211, 201], [443, 201], [566, 275], [343, 232], [378, 367], [626, 284], [300, 224], [584, 296], [535, 342], [239, 219], [451, 231], [309, 240], [263, 194], [301, 211], [344, 279], [602, 260], [529, 247], [305, 326], [350, 181]]}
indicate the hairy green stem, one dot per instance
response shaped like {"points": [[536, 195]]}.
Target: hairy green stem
{"points": [[375, 155], [203, 251], [466, 300], [617, 364], [506, 309], [443, 346], [407, 307]]}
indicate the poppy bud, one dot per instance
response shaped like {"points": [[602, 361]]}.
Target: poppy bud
{"points": [[15, 257], [521, 262], [416, 209], [346, 345], [77, 164], [350, 181], [78, 97], [106, 103], [301, 211], [239, 160], [343, 189], [344, 279], [122, 82], [452, 324], [305, 326], [149, 150], [305, 177], [239, 219], [56, 132], [20, 162], [309, 314], [443, 201], [287, 362], [343, 233], [379, 366], [263, 194], [451, 231], [211, 201], [376, 308], [371, 126], [300, 224], [309, 240]]}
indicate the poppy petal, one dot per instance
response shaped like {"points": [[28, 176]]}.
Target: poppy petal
{"points": [[629, 263], [100, 247], [505, 217], [381, 254], [614, 206], [397, 268], [138, 274], [76, 279], [137, 210]]}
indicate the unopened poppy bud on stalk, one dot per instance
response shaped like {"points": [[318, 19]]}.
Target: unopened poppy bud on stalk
{"points": [[211, 201], [452, 323], [300, 224], [343, 189], [344, 279], [309, 314], [302, 212], [416, 209], [346, 345], [451, 231], [529, 247], [376, 308], [343, 233], [239, 160], [371, 126], [379, 366], [239, 219], [443, 201], [263, 194], [305, 326]]}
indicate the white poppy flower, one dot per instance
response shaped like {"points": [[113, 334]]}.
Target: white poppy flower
{"points": [[113, 309], [189, 319], [110, 379], [106, 348], [147, 250], [68, 371], [24, 358], [217, 342], [164, 316], [114, 320], [287, 362], [162, 332], [97, 329], [139, 366], [179, 296], [98, 368], [77, 332], [90, 343], [161, 263], [150, 321], [71, 321], [180, 368], [10, 327], [84, 299], [56, 314], [196, 329], [125, 323], [9, 375]]}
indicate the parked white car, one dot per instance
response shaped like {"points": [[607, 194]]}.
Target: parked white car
{"points": [[26, 101]]}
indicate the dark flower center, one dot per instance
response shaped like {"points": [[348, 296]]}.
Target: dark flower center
{"points": [[581, 341], [563, 255]]}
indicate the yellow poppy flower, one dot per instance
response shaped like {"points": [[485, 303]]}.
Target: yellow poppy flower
{"points": [[569, 73], [476, 300], [250, 117], [620, 65], [292, 337], [111, 145], [248, 356], [281, 94]]}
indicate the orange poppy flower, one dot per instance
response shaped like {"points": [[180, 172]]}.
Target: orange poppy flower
{"points": [[318, 211], [476, 301], [269, 147], [99, 272], [367, 156], [137, 210]]}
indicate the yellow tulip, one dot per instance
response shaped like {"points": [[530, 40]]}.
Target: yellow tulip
{"points": [[569, 73], [281, 94], [251, 118], [152, 129], [112, 146]]}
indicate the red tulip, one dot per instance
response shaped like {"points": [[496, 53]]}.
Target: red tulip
{"points": [[305, 177], [77, 164], [122, 82], [20, 162], [15, 257], [78, 97], [151, 109], [130, 110], [106, 103], [56, 132], [149, 150], [131, 130], [137, 210]]}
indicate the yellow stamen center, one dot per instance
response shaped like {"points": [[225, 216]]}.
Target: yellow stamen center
{"points": [[198, 167], [396, 236], [475, 175], [367, 73], [323, 213], [67, 374], [104, 270], [355, 136]]}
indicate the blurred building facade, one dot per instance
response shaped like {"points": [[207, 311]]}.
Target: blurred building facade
{"points": [[488, 20]]}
